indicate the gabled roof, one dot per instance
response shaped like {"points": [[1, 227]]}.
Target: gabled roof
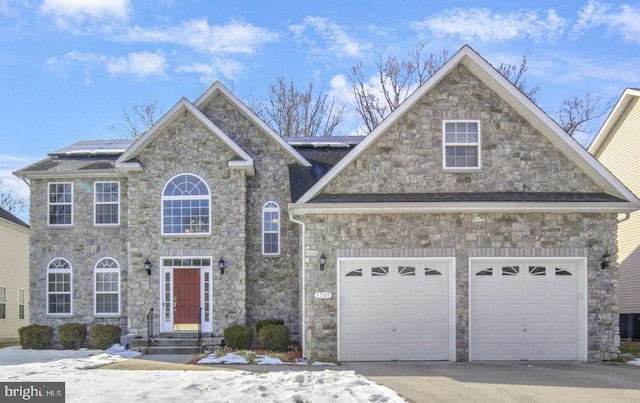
{"points": [[627, 96], [217, 87], [521, 103], [125, 163], [5, 215]]}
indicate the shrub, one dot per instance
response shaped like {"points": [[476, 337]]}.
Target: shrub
{"points": [[36, 337], [101, 337], [264, 322], [274, 337], [238, 337], [72, 335]]}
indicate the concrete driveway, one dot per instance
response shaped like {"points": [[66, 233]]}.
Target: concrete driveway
{"points": [[505, 381]]}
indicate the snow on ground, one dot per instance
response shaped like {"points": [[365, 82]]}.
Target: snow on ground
{"points": [[634, 362], [84, 382]]}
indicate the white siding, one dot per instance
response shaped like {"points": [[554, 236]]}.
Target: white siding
{"points": [[14, 275], [619, 154]]}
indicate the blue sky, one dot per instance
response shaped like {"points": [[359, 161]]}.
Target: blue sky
{"points": [[68, 68]]}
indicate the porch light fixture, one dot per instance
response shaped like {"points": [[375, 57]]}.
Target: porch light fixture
{"points": [[221, 265], [147, 266], [323, 260], [606, 259]]}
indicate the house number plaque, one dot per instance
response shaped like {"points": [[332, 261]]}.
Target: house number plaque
{"points": [[323, 295]]}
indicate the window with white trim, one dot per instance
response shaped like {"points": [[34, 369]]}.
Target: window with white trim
{"points": [[271, 228], [3, 302], [59, 287], [185, 206], [21, 306], [461, 144], [60, 203], [107, 287], [107, 203]]}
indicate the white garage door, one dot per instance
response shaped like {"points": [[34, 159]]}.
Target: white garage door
{"points": [[395, 309], [527, 310]]}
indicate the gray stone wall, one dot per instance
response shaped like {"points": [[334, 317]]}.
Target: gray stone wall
{"points": [[83, 245], [461, 236], [187, 146], [272, 281], [408, 156]]}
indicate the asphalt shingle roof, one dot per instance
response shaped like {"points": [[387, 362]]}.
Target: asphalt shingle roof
{"points": [[4, 214], [537, 197]]}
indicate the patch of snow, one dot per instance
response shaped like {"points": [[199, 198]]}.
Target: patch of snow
{"points": [[108, 385], [229, 358], [122, 351], [634, 362], [266, 360], [322, 363]]}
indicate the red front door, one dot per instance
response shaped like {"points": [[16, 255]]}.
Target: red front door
{"points": [[186, 298]]}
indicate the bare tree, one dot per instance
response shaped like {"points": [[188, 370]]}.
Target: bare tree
{"points": [[396, 80], [516, 74], [299, 112], [11, 203], [576, 113], [138, 119]]}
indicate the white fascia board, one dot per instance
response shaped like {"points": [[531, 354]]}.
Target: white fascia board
{"points": [[246, 165], [174, 112], [624, 101], [251, 115], [461, 207], [70, 174]]}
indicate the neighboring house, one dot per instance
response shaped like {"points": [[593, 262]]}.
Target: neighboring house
{"points": [[14, 276], [467, 226], [617, 146]]}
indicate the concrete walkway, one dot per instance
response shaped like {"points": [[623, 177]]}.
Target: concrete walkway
{"points": [[459, 381]]}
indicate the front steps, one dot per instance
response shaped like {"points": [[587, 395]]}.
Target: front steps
{"points": [[177, 343]]}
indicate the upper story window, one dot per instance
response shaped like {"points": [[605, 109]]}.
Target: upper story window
{"points": [[107, 287], [107, 203], [60, 202], [59, 287], [271, 228], [461, 144], [3, 302], [185, 206]]}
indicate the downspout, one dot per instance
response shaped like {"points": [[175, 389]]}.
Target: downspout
{"points": [[303, 286]]}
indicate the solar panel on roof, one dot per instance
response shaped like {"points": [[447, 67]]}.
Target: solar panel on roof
{"points": [[95, 147]]}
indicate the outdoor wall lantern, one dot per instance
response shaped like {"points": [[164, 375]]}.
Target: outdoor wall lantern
{"points": [[323, 260], [221, 265], [606, 259], [147, 266]]}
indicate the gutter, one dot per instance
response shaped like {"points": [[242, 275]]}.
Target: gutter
{"points": [[626, 217], [303, 320]]}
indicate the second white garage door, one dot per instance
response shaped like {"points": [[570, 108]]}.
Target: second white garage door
{"points": [[527, 309], [396, 309]]}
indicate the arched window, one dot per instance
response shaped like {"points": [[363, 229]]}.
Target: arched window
{"points": [[107, 287], [59, 287], [185, 206], [271, 228]]}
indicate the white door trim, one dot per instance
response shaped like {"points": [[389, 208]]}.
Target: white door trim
{"points": [[451, 266], [581, 271]]}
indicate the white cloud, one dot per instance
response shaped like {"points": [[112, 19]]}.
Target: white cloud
{"points": [[210, 72], [235, 37], [482, 24], [140, 64], [9, 182], [339, 42], [623, 20], [67, 14]]}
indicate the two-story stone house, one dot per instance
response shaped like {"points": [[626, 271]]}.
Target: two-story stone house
{"points": [[467, 226]]}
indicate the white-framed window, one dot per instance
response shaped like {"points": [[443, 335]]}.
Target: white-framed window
{"points": [[271, 228], [107, 287], [186, 206], [60, 203], [3, 302], [21, 305], [107, 203], [461, 144], [59, 287]]}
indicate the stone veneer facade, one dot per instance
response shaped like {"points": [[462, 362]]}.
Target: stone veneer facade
{"points": [[407, 157]]}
